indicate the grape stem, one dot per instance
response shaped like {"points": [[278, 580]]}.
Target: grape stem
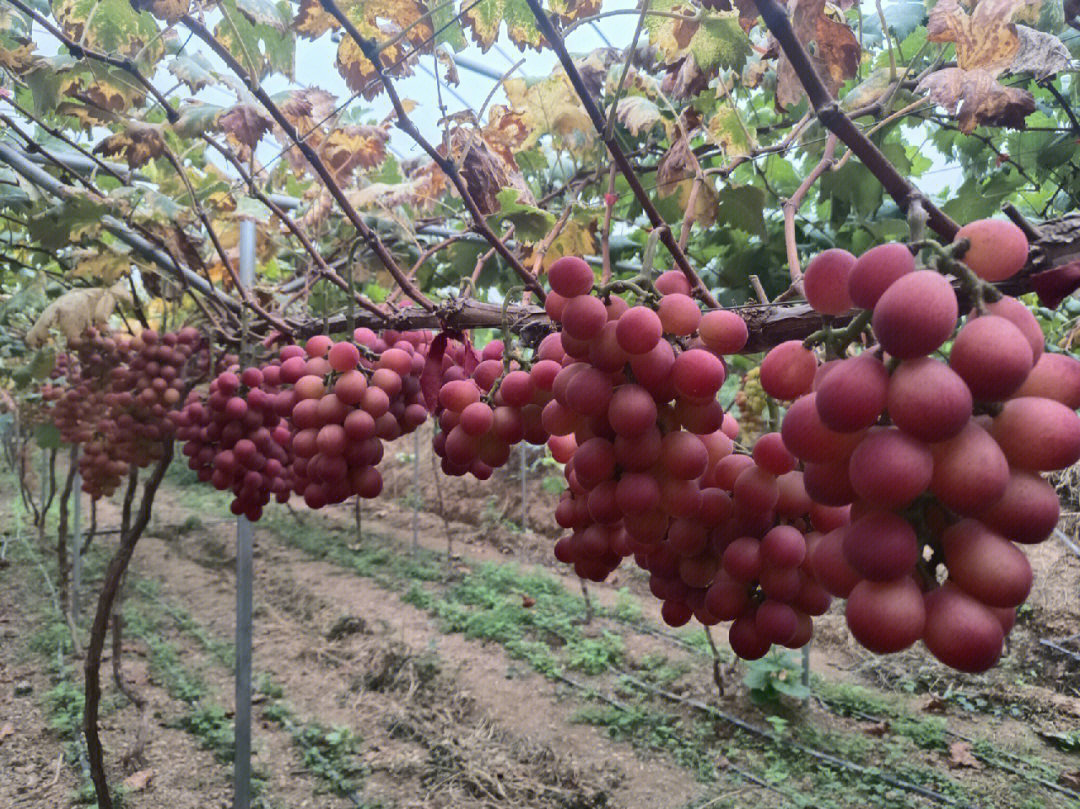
{"points": [[838, 341]]}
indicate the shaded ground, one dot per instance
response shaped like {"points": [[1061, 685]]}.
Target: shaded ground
{"points": [[397, 680]]}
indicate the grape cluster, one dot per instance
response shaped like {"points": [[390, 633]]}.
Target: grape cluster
{"points": [[344, 405], [651, 471], [117, 392], [311, 422], [482, 413], [937, 456]]}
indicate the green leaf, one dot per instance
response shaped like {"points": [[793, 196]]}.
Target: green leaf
{"points": [[265, 12], [447, 25], [742, 207], [197, 118], [978, 200], [42, 363], [720, 42], [111, 26], [47, 436], [531, 224], [65, 223], [251, 208], [194, 70], [260, 48]]}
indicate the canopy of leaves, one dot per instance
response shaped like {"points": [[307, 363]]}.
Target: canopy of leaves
{"points": [[102, 176]]}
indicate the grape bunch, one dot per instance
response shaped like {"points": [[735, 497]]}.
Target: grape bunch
{"points": [[117, 393], [311, 422], [484, 412], [236, 440], [935, 449], [651, 471], [342, 407]]}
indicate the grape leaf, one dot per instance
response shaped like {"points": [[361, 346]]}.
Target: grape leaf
{"points": [[168, 10], [637, 113], [1039, 53], [382, 21], [566, 11], [265, 12], [139, 144], [727, 131], [505, 133], [714, 39], [577, 238], [346, 149], [312, 20], [531, 224], [987, 44], [16, 43], [260, 48], [551, 106], [111, 26], [447, 25], [194, 70], [244, 125], [835, 56], [742, 207], [483, 19], [976, 97], [196, 118], [104, 266]]}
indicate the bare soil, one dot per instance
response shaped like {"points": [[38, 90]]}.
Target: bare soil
{"points": [[445, 721]]}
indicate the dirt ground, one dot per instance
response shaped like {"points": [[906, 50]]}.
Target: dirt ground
{"points": [[443, 720]]}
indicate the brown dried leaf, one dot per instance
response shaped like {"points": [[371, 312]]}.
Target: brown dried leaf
{"points": [[312, 20], [138, 781], [985, 38], [139, 144], [1039, 53], [446, 59], [1070, 779], [7, 729], [505, 132], [678, 164], [168, 10], [960, 756], [684, 79], [878, 729], [485, 173], [352, 147], [835, 57], [244, 125], [975, 97]]}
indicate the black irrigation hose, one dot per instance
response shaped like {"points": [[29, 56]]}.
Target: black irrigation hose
{"points": [[985, 759], [826, 758], [677, 641]]}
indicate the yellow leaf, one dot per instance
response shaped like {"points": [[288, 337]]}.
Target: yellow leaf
{"points": [[105, 266], [551, 106], [352, 147], [139, 144], [984, 39], [312, 20], [576, 239]]}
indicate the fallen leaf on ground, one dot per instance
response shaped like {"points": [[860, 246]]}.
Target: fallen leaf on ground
{"points": [[960, 756], [7, 729], [137, 781], [1070, 779], [877, 728]]}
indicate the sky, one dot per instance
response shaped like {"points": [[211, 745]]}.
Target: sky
{"points": [[315, 67]]}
